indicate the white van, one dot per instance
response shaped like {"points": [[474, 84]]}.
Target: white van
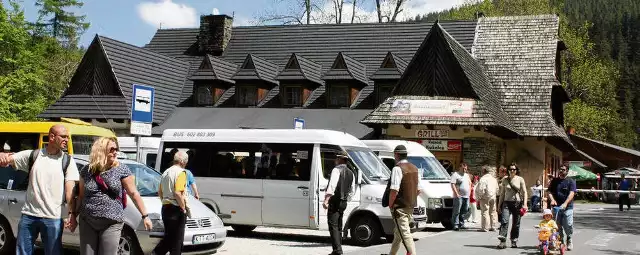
{"points": [[435, 182], [262, 177], [148, 149]]}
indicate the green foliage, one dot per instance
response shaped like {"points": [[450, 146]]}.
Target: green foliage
{"points": [[61, 24], [600, 67], [34, 70]]}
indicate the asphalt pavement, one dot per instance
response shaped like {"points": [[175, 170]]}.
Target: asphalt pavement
{"points": [[600, 229]]}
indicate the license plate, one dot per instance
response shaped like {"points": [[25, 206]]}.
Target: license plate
{"points": [[199, 239]]}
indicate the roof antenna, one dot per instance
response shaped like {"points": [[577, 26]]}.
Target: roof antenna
{"points": [[160, 25]]}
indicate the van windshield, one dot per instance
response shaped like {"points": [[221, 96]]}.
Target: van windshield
{"points": [[368, 163], [147, 179], [429, 167]]}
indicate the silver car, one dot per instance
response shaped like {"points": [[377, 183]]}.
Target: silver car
{"points": [[204, 232]]}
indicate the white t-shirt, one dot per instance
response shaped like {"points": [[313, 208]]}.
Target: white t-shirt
{"points": [[463, 182], [396, 177], [45, 193]]}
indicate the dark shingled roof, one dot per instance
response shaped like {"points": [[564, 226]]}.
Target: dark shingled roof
{"points": [[443, 68], [130, 65], [392, 68], [271, 118], [519, 56], [89, 107], [215, 68], [347, 68], [257, 68], [300, 68], [366, 43]]}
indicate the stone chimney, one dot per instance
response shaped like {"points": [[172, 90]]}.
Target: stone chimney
{"points": [[215, 33]]}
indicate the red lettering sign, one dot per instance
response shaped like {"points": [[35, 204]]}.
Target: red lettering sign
{"points": [[454, 145]]}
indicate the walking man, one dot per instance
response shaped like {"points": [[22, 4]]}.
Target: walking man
{"points": [[561, 192], [486, 193], [52, 177], [341, 187], [403, 193], [461, 186], [623, 198], [173, 185]]}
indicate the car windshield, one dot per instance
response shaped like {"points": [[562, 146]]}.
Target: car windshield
{"points": [[147, 179], [430, 168], [368, 163]]}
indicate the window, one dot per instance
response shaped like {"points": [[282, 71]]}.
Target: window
{"points": [[277, 161], [384, 92], [370, 165], [247, 95], [292, 96], [204, 95], [11, 178], [147, 180], [151, 160], [430, 168], [389, 162], [328, 153], [82, 143], [339, 96]]}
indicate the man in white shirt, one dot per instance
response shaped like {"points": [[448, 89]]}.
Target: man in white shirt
{"points": [[486, 194], [461, 186], [341, 188], [47, 192]]}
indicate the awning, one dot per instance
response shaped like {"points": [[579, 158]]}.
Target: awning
{"points": [[344, 120], [580, 174]]}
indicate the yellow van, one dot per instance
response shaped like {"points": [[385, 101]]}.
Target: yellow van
{"points": [[18, 136]]}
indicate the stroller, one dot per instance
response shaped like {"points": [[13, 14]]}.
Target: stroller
{"points": [[549, 241]]}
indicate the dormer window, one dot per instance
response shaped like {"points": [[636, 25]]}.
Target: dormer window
{"points": [[247, 95], [292, 96], [339, 96], [204, 95]]}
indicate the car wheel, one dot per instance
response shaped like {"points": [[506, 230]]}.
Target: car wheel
{"points": [[243, 229], [366, 231], [7, 240], [447, 225], [128, 244]]}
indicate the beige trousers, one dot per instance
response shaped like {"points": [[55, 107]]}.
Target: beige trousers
{"points": [[402, 231], [489, 213]]}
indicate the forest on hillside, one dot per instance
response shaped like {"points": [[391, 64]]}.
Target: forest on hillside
{"points": [[601, 69]]}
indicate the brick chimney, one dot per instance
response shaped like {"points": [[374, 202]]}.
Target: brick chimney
{"points": [[215, 33]]}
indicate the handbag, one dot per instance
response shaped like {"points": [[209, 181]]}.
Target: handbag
{"points": [[385, 195]]}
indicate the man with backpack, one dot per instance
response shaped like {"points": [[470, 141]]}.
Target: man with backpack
{"points": [[52, 176]]}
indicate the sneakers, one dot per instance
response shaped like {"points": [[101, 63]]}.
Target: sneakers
{"points": [[569, 245], [502, 245], [514, 244], [492, 229]]}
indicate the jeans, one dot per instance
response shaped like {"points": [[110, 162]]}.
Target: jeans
{"points": [[565, 224], [535, 203], [174, 223], [334, 220], [510, 209], [99, 236], [50, 231], [460, 209], [624, 199]]}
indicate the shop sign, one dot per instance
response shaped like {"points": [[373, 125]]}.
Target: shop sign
{"points": [[442, 145], [428, 133], [578, 163], [432, 108]]}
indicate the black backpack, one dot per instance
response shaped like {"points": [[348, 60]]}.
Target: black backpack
{"points": [[66, 160]]}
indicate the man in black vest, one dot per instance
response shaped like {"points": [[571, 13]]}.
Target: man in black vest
{"points": [[402, 199], [341, 187]]}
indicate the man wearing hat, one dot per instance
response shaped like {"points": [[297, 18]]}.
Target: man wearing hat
{"points": [[402, 199], [341, 187]]}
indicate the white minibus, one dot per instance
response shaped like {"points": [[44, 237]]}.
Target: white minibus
{"points": [[278, 178], [435, 182], [148, 149]]}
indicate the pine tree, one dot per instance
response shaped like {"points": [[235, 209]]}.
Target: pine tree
{"points": [[56, 21]]}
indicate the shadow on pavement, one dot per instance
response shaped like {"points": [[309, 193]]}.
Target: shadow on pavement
{"points": [[617, 252], [611, 220], [304, 240]]}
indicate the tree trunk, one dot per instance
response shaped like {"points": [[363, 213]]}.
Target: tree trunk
{"points": [[353, 11], [307, 6], [379, 11], [397, 10]]}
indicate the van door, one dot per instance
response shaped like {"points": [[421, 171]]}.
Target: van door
{"points": [[287, 191], [328, 157]]}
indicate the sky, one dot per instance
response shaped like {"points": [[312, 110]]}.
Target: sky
{"points": [[136, 21]]}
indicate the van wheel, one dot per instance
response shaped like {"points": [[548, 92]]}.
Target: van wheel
{"points": [[366, 231], [128, 244], [7, 240], [243, 229], [447, 225]]}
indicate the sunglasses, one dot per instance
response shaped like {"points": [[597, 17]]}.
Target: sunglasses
{"points": [[113, 150], [513, 169]]}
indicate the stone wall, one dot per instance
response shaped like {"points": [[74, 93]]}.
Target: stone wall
{"points": [[215, 33], [479, 151]]}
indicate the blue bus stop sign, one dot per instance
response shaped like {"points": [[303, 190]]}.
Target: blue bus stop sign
{"points": [[298, 123], [142, 109]]}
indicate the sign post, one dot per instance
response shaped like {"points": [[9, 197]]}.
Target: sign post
{"points": [[141, 113]]}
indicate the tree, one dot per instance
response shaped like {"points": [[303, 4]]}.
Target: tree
{"points": [[59, 23], [389, 9]]}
